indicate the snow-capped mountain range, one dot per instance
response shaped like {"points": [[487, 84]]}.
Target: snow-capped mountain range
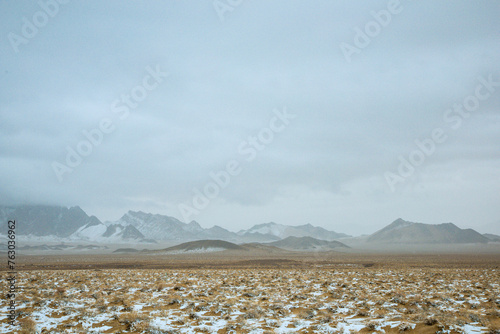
{"points": [[61, 224], [73, 224]]}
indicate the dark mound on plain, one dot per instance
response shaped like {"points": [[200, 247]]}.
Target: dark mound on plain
{"points": [[204, 245], [307, 244], [126, 250]]}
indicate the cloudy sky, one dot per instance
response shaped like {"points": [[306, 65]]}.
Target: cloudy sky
{"points": [[343, 114]]}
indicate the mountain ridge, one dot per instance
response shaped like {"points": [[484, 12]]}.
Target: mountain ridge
{"points": [[283, 231], [139, 226], [401, 231], [307, 244], [59, 223]]}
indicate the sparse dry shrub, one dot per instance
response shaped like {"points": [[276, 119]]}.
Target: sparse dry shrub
{"points": [[60, 292], [372, 325], [299, 297], [475, 318], [193, 316], [141, 326], [231, 328], [298, 323], [127, 305], [253, 314], [201, 307], [276, 307], [326, 320], [404, 326], [126, 302], [412, 310], [331, 309], [96, 295], [398, 299], [102, 308], [87, 313], [430, 321], [363, 313], [380, 313], [308, 314], [117, 300], [493, 312], [249, 295], [173, 301], [154, 330], [28, 326], [37, 301], [272, 322], [130, 317]]}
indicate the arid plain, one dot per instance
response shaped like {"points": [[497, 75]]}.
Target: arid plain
{"points": [[257, 292]]}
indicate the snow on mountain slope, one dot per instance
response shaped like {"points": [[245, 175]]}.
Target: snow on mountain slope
{"points": [[90, 231], [115, 233], [277, 230], [61, 223], [158, 227]]}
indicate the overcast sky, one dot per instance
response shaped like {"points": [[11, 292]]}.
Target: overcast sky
{"points": [[305, 110]]}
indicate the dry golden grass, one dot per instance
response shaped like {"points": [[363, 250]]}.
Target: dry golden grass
{"points": [[314, 298], [28, 326]]}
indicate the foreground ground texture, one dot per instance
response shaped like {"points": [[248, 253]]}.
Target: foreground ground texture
{"points": [[317, 298]]}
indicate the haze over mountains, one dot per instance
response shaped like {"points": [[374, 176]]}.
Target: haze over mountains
{"points": [[46, 222], [290, 244], [307, 244], [284, 231], [54, 223]]}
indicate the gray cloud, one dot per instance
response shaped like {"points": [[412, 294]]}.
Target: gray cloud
{"points": [[354, 119]]}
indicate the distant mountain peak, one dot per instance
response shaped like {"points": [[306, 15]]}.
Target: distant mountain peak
{"points": [[401, 222], [283, 231], [194, 223], [307, 244], [401, 231], [47, 220]]}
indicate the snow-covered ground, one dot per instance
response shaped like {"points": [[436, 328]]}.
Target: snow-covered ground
{"points": [[322, 300]]}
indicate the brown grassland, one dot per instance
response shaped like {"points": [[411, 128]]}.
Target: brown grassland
{"points": [[227, 292]]}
